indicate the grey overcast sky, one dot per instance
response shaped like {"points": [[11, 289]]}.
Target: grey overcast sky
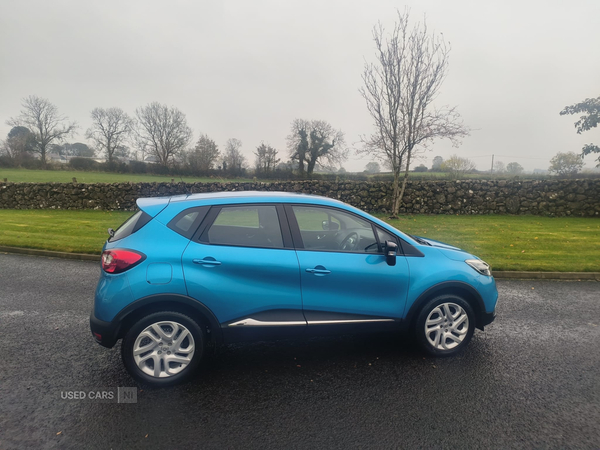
{"points": [[246, 69]]}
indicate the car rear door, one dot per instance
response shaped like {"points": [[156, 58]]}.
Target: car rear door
{"points": [[346, 282], [242, 265]]}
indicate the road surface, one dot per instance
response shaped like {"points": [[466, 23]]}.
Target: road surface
{"points": [[531, 380]]}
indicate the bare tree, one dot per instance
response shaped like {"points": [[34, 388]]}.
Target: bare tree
{"points": [[266, 159], [315, 141], [162, 131], [499, 168], [110, 130], [141, 146], [44, 121], [457, 166], [233, 159], [399, 90], [203, 157]]}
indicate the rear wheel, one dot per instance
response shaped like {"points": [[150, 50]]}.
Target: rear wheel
{"points": [[163, 348], [445, 325]]}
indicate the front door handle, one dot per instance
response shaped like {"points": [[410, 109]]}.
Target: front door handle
{"points": [[209, 260], [319, 270]]}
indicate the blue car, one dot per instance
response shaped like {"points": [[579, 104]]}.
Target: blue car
{"points": [[188, 271]]}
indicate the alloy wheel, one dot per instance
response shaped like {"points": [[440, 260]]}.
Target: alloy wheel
{"points": [[163, 349], [446, 326]]}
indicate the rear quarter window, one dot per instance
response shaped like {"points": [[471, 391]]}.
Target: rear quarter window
{"points": [[130, 226], [187, 222]]}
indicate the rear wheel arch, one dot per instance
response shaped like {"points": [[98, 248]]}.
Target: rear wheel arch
{"points": [[170, 302], [458, 288]]}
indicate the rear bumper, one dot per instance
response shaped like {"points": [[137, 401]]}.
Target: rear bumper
{"points": [[105, 333]]}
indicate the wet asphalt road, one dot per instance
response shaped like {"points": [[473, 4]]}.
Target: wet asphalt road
{"points": [[532, 380]]}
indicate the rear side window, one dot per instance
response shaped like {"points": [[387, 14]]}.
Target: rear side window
{"points": [[247, 226], [242, 216], [131, 225]]}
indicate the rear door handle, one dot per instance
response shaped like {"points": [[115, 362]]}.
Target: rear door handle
{"points": [[318, 271], [211, 261]]}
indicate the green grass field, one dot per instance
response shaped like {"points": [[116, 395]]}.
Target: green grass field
{"points": [[66, 176], [533, 243], [64, 231], [506, 242]]}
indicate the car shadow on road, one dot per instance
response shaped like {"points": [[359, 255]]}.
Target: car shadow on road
{"points": [[325, 358]]}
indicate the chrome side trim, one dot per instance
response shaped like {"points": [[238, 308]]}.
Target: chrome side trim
{"points": [[258, 323], [324, 322]]}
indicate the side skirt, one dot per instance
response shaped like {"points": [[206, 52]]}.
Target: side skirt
{"points": [[282, 324]]}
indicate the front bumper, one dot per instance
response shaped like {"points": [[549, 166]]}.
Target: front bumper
{"points": [[105, 333], [487, 318]]}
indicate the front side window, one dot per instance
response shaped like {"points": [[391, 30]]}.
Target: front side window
{"points": [[330, 229], [248, 226]]}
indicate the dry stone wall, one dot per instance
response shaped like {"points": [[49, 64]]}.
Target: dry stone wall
{"points": [[539, 197]]}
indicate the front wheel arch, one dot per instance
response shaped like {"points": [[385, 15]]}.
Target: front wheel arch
{"points": [[458, 288]]}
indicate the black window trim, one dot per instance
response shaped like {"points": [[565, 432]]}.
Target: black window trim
{"points": [[201, 235]]}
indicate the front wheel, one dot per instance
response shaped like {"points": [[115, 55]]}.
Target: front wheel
{"points": [[445, 325], [163, 348]]}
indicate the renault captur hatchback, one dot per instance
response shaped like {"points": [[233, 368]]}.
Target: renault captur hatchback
{"points": [[184, 271]]}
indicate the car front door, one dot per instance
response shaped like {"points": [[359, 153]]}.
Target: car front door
{"points": [[241, 264], [345, 278]]}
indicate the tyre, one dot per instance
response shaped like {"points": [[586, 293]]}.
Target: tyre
{"points": [[445, 325], [163, 348]]}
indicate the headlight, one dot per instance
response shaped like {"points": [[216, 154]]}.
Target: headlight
{"points": [[480, 266]]}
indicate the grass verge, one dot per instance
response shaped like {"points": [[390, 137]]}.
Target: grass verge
{"points": [[529, 243], [63, 231]]}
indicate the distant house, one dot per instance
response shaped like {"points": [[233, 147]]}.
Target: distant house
{"points": [[64, 159], [55, 157]]}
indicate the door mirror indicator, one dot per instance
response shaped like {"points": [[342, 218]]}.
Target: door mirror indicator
{"points": [[391, 249]]}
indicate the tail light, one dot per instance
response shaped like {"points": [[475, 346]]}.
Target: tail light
{"points": [[119, 260]]}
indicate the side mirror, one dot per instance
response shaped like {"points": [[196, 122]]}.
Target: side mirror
{"points": [[391, 249]]}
